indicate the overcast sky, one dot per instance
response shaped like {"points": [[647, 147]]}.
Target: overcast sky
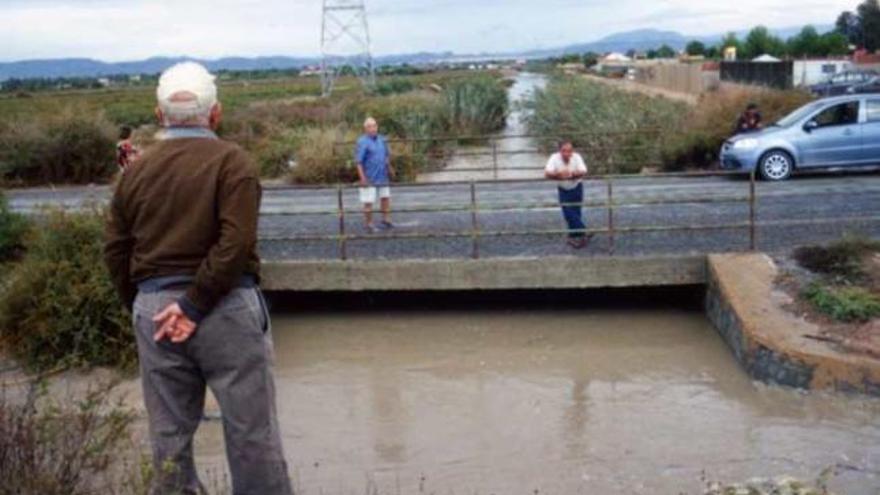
{"points": [[115, 30]]}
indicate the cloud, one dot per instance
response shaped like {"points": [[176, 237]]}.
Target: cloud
{"points": [[131, 29]]}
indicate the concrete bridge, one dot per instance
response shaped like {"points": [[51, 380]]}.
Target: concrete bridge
{"points": [[650, 230]]}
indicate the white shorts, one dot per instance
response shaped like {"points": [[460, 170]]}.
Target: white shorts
{"points": [[369, 193]]}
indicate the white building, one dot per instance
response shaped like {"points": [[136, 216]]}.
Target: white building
{"points": [[809, 72]]}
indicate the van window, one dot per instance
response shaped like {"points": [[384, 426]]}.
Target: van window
{"points": [[842, 114], [873, 110]]}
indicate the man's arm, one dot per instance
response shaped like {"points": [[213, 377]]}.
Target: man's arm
{"points": [[360, 156], [118, 246], [238, 211], [580, 168]]}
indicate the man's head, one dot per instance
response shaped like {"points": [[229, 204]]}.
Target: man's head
{"points": [[752, 108], [566, 149], [371, 127], [125, 132], [187, 97]]}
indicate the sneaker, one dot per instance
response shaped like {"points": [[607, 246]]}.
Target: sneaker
{"points": [[578, 243], [386, 225]]}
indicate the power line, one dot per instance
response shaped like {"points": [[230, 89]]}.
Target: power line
{"points": [[345, 43]]}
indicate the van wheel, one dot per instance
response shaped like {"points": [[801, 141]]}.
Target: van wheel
{"points": [[776, 165]]}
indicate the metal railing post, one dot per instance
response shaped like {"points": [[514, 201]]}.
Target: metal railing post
{"points": [[609, 203], [475, 226], [494, 159], [752, 212], [343, 255]]}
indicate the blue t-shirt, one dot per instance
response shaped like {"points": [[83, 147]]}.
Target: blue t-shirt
{"points": [[373, 154]]}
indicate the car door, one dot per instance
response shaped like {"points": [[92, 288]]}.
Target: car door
{"points": [[871, 131], [833, 136]]}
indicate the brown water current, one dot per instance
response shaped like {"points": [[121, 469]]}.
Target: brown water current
{"points": [[540, 401]]}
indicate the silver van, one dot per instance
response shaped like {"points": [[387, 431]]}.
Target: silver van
{"points": [[842, 131]]}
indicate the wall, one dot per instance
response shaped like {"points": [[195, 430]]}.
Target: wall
{"points": [[682, 78], [809, 72]]}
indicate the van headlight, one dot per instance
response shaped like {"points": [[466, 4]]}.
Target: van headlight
{"points": [[745, 144]]}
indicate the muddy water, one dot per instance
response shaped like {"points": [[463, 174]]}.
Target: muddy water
{"points": [[534, 401], [517, 157]]}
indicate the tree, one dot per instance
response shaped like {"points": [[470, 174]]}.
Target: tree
{"points": [[695, 48], [590, 59], [759, 42], [712, 52], [666, 51], [631, 53], [834, 44], [849, 25], [807, 43], [869, 19]]}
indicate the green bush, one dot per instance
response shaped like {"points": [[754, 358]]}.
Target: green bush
{"points": [[845, 304], [601, 121], [69, 147], [12, 230], [394, 86], [476, 105], [842, 260], [319, 160], [58, 306]]}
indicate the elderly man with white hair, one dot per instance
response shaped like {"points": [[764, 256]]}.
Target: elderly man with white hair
{"points": [[373, 158], [182, 251]]}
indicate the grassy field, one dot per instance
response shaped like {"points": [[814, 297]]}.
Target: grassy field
{"points": [[69, 136]]}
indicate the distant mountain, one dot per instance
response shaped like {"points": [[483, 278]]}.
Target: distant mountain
{"points": [[642, 39]]}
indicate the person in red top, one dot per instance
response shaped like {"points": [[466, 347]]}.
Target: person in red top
{"points": [[126, 153]]}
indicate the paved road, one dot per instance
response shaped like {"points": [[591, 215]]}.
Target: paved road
{"points": [[505, 207]]}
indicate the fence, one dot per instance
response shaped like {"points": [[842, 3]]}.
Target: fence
{"points": [[604, 154], [477, 232], [682, 78], [779, 75]]}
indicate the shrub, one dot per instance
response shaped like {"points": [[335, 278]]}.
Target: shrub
{"points": [[476, 106], [844, 303], [12, 230], [70, 147], [394, 86], [319, 159], [58, 306], [603, 122], [712, 121], [841, 260], [61, 450]]}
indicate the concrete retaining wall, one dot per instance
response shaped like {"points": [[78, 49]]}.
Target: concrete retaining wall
{"points": [[770, 342], [507, 273]]}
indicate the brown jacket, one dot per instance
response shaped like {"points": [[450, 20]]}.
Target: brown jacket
{"points": [[189, 206]]}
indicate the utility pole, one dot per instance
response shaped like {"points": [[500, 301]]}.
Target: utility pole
{"points": [[345, 42]]}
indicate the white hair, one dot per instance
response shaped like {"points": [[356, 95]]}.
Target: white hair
{"points": [[370, 121], [187, 94]]}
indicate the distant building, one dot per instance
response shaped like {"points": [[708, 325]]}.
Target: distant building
{"points": [[309, 71], [730, 54], [809, 72], [765, 58], [104, 82]]}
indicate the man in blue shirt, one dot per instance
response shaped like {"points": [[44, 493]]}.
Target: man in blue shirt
{"points": [[373, 158]]}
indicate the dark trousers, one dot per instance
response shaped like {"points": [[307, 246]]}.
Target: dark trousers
{"points": [[572, 201]]}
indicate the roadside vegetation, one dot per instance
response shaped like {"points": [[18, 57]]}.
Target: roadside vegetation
{"points": [[69, 136], [12, 231], [848, 287], [625, 132], [58, 308]]}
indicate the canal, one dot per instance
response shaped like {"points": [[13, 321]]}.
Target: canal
{"points": [[541, 393]]}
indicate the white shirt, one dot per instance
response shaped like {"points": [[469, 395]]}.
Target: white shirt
{"points": [[575, 165]]}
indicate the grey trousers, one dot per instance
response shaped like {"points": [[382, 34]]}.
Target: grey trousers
{"points": [[231, 352]]}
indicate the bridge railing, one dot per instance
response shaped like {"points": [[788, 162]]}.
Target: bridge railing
{"points": [[609, 203], [605, 155]]}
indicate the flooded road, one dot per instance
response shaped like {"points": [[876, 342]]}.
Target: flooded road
{"points": [[601, 401]]}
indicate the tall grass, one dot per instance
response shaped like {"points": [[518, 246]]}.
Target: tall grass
{"points": [[476, 106], [604, 122], [58, 306], [12, 231], [51, 448], [69, 147]]}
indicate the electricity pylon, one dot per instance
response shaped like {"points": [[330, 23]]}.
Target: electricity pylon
{"points": [[345, 42]]}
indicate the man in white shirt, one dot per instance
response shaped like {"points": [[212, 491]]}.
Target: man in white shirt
{"points": [[568, 169]]}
